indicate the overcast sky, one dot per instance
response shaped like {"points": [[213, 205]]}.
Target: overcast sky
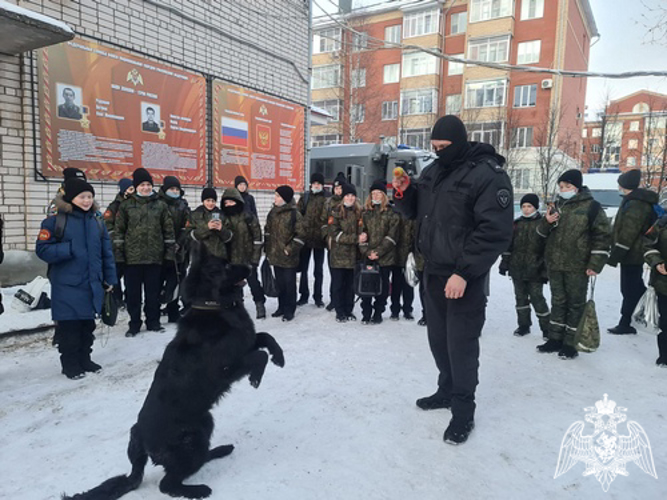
{"points": [[623, 46]]}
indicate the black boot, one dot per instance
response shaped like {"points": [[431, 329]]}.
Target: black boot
{"points": [[302, 301], [330, 306], [394, 317], [522, 331], [71, 366], [435, 401], [622, 329], [408, 316], [662, 349], [86, 350], [567, 352], [422, 321], [277, 314], [319, 303], [458, 431], [550, 346], [376, 319], [261, 310]]}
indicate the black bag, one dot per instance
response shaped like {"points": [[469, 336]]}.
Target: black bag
{"points": [[109, 309], [367, 280], [268, 280]]}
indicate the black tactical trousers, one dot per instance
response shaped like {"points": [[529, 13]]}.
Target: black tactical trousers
{"points": [[568, 298], [74, 339], [318, 262], [170, 281], [286, 282], [342, 295], [454, 327], [400, 288], [256, 287], [632, 289], [527, 293], [377, 305], [148, 277]]}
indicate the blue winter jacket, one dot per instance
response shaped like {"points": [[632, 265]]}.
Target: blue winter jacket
{"points": [[79, 265]]}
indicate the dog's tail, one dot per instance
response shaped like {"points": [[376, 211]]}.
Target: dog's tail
{"points": [[116, 487]]}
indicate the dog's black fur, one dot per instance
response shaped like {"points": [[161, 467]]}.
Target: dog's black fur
{"points": [[215, 346]]}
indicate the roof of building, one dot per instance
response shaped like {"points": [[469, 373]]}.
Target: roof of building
{"points": [[588, 12]]}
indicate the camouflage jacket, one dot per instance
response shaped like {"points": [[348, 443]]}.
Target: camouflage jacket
{"points": [[111, 212], [143, 231], [406, 240], [310, 206], [214, 241], [246, 245], [576, 243], [525, 257], [382, 228], [284, 231], [345, 229], [180, 214], [635, 216], [326, 218], [655, 253]]}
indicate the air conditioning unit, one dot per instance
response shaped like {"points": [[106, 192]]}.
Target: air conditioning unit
{"points": [[547, 84]]}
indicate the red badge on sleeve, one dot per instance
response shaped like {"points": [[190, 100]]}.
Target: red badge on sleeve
{"points": [[331, 220], [44, 235], [108, 214]]}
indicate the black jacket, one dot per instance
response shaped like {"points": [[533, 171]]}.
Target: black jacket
{"points": [[464, 213], [249, 204]]}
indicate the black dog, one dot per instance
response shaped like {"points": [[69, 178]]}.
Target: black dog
{"points": [[215, 346]]}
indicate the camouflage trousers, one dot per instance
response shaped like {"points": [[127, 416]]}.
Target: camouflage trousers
{"points": [[527, 293], [568, 298]]}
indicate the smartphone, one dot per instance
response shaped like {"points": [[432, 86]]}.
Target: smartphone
{"points": [[215, 216]]}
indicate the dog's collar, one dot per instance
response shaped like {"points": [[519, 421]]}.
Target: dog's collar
{"points": [[212, 305]]}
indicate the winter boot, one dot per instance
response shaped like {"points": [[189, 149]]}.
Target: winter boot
{"points": [[351, 317], [86, 350], [394, 317], [330, 306], [155, 327], [662, 350], [408, 316], [319, 303], [376, 319], [622, 329], [458, 431], [550, 346], [435, 401], [71, 366], [261, 310], [341, 318], [522, 331], [567, 352], [302, 301], [422, 321], [277, 314]]}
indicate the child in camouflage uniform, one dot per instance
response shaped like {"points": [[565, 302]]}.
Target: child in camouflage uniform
{"points": [[655, 246], [524, 261]]}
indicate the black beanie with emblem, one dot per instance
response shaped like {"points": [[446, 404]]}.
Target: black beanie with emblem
{"points": [[532, 199], [340, 179], [574, 177], [209, 192], [73, 173], [286, 193], [141, 175], [630, 179], [74, 187]]}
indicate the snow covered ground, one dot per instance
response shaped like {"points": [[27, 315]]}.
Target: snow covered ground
{"points": [[339, 421]]}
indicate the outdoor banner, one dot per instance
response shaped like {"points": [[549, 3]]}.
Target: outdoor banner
{"points": [[257, 136], [107, 112]]}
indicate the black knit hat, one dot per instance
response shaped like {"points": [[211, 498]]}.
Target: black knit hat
{"points": [[630, 179], [239, 179], [209, 193], [285, 192], [141, 175], [349, 189], [171, 182], [532, 199], [74, 187], [123, 184], [573, 177], [340, 179], [379, 184], [317, 177], [73, 173]]}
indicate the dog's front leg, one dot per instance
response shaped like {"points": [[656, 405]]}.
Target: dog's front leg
{"points": [[266, 340], [253, 364]]}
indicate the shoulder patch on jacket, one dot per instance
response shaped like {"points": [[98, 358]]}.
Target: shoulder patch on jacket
{"points": [[108, 214], [44, 235], [503, 197]]}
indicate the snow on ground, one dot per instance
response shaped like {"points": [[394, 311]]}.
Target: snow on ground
{"points": [[339, 421]]}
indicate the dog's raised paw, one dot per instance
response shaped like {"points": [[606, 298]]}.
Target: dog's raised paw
{"points": [[278, 359]]}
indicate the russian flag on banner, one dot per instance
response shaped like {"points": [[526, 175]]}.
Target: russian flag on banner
{"points": [[234, 132]]}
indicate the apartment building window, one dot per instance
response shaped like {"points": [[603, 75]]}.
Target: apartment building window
{"points": [[418, 64], [333, 107], [631, 161], [633, 144], [455, 68], [417, 138], [392, 34], [459, 22], [523, 138], [495, 49], [327, 41], [421, 23], [595, 148], [489, 132], [584, 133], [419, 102], [357, 113], [520, 178], [391, 140], [325, 140], [486, 94], [529, 52], [483, 10], [453, 104], [597, 132], [612, 155], [525, 96], [532, 9], [359, 41], [634, 126], [326, 77], [391, 73], [390, 110], [358, 78]]}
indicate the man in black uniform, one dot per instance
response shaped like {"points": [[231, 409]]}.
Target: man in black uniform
{"points": [[69, 109], [463, 206], [149, 125]]}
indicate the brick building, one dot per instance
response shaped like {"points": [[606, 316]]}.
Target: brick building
{"points": [[259, 45], [630, 133], [373, 88]]}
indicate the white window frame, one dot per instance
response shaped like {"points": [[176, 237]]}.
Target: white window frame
{"points": [[596, 132], [330, 42], [486, 132], [584, 133], [359, 41], [389, 110], [392, 34], [634, 126], [461, 24], [529, 52], [418, 64], [358, 113], [333, 107], [485, 10], [493, 88], [629, 163], [455, 68], [329, 83], [325, 140], [532, 9], [422, 137], [491, 49], [424, 22], [523, 137], [391, 73], [419, 102], [358, 78], [525, 93], [453, 104]]}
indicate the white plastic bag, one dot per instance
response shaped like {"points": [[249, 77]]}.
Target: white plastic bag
{"points": [[646, 316], [410, 271], [27, 297]]}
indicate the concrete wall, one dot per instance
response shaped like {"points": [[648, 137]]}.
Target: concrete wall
{"points": [[262, 45]]}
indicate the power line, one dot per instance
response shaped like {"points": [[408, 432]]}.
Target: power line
{"points": [[244, 5], [501, 66]]}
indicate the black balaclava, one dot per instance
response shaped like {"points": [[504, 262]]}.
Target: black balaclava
{"points": [[450, 128], [232, 209]]}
